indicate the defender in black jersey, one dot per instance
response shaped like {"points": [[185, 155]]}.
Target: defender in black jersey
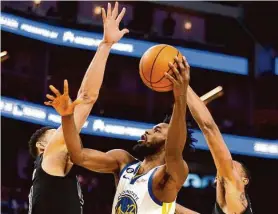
{"points": [[55, 189], [232, 177], [54, 194]]}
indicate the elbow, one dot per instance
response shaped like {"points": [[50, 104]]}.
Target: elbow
{"points": [[76, 158], [88, 97]]}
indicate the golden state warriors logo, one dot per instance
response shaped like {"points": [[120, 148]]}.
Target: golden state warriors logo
{"points": [[126, 205]]}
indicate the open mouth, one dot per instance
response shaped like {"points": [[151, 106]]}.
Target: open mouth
{"points": [[143, 139]]}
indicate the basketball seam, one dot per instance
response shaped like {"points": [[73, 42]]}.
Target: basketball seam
{"points": [[154, 63], [164, 77], [166, 71]]}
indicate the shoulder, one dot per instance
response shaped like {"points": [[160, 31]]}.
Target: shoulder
{"points": [[123, 157], [163, 177]]}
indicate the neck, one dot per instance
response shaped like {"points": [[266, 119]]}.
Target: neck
{"points": [[152, 161]]}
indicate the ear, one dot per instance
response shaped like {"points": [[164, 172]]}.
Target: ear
{"points": [[245, 181], [39, 145]]}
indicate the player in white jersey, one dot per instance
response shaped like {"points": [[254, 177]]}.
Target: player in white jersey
{"points": [[150, 186]]}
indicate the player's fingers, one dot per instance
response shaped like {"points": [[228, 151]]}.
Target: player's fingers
{"points": [[120, 16], [66, 87], [184, 60], [180, 64], [50, 97], [172, 79], [115, 10], [124, 31], [187, 67], [175, 72], [54, 90], [48, 103], [109, 10], [103, 14]]}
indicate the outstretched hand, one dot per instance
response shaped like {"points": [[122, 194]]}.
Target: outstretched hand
{"points": [[111, 22], [180, 76], [62, 102]]}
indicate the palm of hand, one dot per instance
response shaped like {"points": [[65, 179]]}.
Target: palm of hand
{"points": [[112, 34], [62, 102], [63, 105], [111, 22]]}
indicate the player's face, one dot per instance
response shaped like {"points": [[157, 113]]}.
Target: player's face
{"points": [[153, 140], [44, 140], [156, 135]]}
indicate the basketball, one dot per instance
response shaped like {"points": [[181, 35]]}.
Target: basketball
{"points": [[153, 65]]}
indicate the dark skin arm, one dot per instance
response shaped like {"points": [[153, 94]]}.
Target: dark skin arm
{"points": [[170, 178], [110, 162]]}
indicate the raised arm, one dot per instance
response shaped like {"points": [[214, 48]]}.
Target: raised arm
{"points": [[176, 138], [93, 78], [89, 88], [88, 92], [110, 162], [220, 153]]}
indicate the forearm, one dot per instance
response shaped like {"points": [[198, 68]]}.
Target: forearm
{"points": [[91, 84], [72, 138], [210, 130], [177, 129], [199, 110], [93, 78]]}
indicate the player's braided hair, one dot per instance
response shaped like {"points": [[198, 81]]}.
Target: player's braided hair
{"points": [[190, 141]]}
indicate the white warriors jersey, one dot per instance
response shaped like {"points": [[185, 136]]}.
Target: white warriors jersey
{"points": [[134, 194]]}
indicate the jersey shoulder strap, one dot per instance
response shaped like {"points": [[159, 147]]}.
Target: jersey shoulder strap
{"points": [[131, 164]]}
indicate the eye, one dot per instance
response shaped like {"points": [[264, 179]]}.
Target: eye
{"points": [[156, 130]]}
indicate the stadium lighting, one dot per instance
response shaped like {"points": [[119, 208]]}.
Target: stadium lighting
{"points": [[3, 53], [37, 2], [97, 10], [187, 25]]}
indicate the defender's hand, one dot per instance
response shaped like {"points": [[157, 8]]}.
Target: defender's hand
{"points": [[62, 102], [180, 76], [111, 22]]}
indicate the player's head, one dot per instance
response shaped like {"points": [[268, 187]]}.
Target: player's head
{"points": [[39, 140], [153, 141], [243, 171]]}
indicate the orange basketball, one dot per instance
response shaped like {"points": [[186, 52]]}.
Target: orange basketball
{"points": [[153, 65]]}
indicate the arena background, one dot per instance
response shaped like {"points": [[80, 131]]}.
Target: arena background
{"points": [[249, 106]]}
